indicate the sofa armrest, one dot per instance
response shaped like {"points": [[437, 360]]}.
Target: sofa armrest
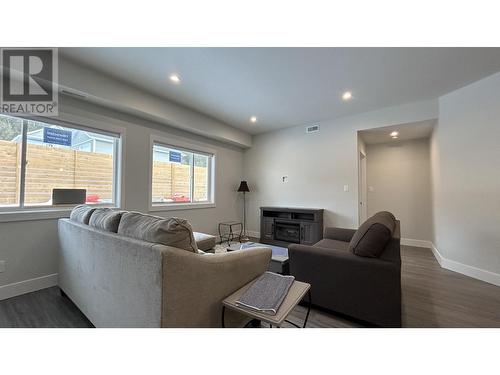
{"points": [[194, 285], [339, 234]]}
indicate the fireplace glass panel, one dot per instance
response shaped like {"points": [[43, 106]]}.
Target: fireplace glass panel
{"points": [[289, 232]]}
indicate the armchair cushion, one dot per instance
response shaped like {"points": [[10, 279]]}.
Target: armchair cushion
{"points": [[332, 244], [373, 235], [339, 234]]}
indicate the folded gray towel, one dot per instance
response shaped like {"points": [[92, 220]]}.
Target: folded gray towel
{"points": [[267, 293]]}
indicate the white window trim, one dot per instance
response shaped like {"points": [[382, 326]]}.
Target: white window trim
{"points": [[182, 143], [30, 213]]}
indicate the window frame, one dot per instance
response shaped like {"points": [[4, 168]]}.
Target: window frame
{"points": [[181, 144], [24, 212]]}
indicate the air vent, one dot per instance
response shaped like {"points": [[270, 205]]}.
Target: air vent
{"points": [[312, 129]]}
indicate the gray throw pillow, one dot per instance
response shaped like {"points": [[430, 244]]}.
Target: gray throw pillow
{"points": [[81, 213], [106, 219], [373, 235], [171, 232]]}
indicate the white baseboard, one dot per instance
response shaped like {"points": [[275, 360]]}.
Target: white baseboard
{"points": [[416, 243], [253, 234], [465, 269], [27, 286]]}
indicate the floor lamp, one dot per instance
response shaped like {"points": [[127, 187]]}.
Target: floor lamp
{"points": [[244, 189]]}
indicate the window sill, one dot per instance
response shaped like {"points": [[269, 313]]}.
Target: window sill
{"points": [[179, 206], [34, 214], [42, 213]]}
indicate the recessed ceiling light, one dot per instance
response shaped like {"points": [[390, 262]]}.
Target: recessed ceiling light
{"points": [[394, 134], [175, 78], [253, 119], [347, 95]]}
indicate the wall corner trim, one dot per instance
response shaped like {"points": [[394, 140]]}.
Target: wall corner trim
{"points": [[28, 286], [465, 269]]}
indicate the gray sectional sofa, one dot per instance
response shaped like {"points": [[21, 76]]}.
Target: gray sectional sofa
{"points": [[122, 270]]}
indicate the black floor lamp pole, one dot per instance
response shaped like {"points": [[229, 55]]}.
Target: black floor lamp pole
{"points": [[243, 188], [244, 215]]}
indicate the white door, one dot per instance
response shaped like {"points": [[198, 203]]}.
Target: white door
{"points": [[362, 188]]}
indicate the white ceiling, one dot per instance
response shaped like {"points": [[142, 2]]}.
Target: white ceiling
{"points": [[291, 86], [414, 130]]}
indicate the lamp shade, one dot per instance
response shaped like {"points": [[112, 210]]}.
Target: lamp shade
{"points": [[243, 187]]}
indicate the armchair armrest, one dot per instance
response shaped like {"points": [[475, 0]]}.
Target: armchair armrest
{"points": [[339, 234], [194, 285], [339, 261]]}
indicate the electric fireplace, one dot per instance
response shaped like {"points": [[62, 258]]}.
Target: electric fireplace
{"points": [[282, 226], [289, 232]]}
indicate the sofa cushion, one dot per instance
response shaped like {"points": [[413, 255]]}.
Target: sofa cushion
{"points": [[332, 244], [81, 213], [373, 235], [204, 241], [106, 219], [170, 232]]}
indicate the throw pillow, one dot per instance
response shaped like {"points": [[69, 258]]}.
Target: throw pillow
{"points": [[106, 219], [81, 213], [373, 235], [170, 232]]}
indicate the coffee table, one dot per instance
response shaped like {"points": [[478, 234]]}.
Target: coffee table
{"points": [[279, 259], [296, 293]]}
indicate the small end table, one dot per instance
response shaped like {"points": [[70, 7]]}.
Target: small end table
{"points": [[296, 293], [230, 235]]}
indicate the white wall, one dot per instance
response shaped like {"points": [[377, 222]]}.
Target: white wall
{"points": [[30, 247], [399, 173], [318, 165], [466, 178]]}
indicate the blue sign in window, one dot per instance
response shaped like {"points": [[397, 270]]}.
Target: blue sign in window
{"points": [[57, 136], [174, 156]]}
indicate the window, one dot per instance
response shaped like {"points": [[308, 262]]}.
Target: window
{"points": [[36, 157], [181, 176]]}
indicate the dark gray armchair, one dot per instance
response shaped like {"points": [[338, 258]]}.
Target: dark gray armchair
{"points": [[356, 273]]}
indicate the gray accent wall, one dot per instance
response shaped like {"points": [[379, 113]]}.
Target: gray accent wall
{"points": [[399, 181]]}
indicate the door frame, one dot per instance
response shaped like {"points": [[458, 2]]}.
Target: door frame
{"points": [[362, 188]]}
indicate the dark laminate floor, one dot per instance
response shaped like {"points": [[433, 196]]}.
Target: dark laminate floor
{"points": [[42, 309], [432, 297]]}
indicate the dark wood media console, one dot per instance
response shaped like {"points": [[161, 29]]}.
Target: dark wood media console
{"points": [[282, 226]]}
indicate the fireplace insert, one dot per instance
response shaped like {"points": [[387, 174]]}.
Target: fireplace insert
{"points": [[285, 231]]}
